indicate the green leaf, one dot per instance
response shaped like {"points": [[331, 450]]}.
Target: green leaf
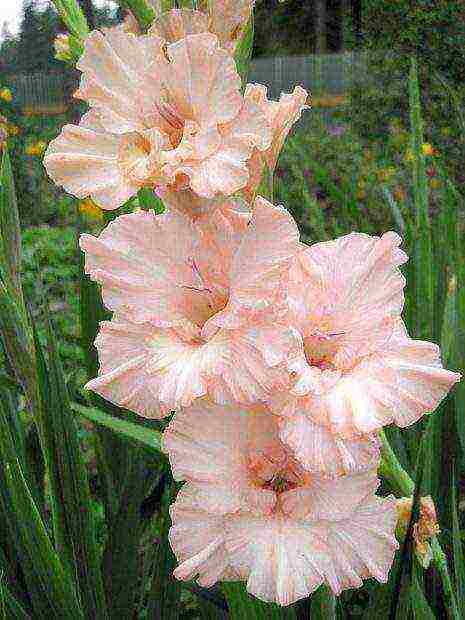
{"points": [[457, 545], [121, 556], [73, 16], [10, 233], [69, 488], [10, 607], [149, 438], [142, 11], [242, 605], [164, 601], [44, 569], [243, 51], [423, 259], [323, 605], [149, 201]]}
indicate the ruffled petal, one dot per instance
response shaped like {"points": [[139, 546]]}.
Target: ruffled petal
{"points": [[363, 545], [176, 24], [84, 160], [115, 80], [145, 265], [282, 561], [329, 500], [200, 80], [197, 539], [207, 444], [325, 453], [213, 164], [400, 383], [228, 19], [281, 115], [260, 267]]}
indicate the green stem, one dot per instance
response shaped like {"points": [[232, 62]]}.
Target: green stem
{"points": [[403, 485], [440, 561]]}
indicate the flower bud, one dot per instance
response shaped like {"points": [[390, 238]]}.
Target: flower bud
{"points": [[62, 48]]}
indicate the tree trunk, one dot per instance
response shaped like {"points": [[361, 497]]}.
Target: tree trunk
{"points": [[320, 26]]}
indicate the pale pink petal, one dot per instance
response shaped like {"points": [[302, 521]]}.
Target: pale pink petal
{"points": [[325, 453], [228, 19], [281, 115], [144, 263], [282, 561], [260, 266], [178, 23], [345, 296], [249, 126], [207, 444], [330, 500], [212, 163], [363, 545], [197, 539], [154, 371], [84, 160], [200, 80], [115, 77], [400, 383]]}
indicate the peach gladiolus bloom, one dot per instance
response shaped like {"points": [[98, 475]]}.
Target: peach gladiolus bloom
{"points": [[227, 19], [361, 369], [160, 114], [281, 116], [198, 307], [250, 512]]}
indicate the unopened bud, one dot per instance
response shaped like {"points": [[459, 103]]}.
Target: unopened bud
{"points": [[62, 48]]}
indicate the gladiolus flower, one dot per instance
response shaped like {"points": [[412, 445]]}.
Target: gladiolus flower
{"points": [[227, 19], [281, 116], [361, 370], [250, 512], [161, 115], [198, 307]]}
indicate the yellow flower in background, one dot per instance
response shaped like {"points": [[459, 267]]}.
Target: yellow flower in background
{"points": [[399, 193], [435, 183], [90, 209], [36, 149], [385, 174], [427, 149], [409, 154], [41, 147], [13, 130], [5, 94], [361, 194], [31, 150]]}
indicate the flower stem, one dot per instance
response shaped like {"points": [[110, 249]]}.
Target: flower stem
{"points": [[403, 485]]}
